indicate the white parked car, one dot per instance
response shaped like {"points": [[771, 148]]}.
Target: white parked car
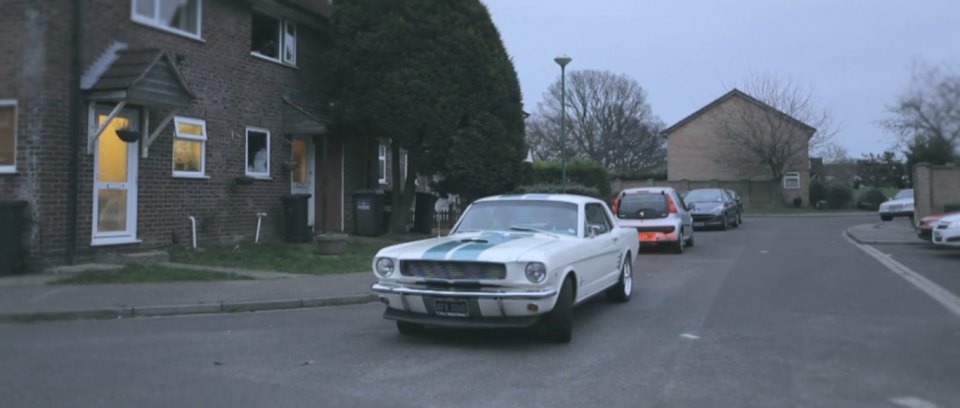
{"points": [[658, 214], [510, 261], [901, 205], [947, 231]]}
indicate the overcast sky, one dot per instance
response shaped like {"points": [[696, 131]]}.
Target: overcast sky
{"points": [[854, 55]]}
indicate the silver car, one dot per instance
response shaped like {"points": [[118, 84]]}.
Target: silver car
{"points": [[658, 214]]}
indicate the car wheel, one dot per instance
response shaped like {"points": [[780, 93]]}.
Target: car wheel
{"points": [[690, 241], [679, 245], [409, 329], [735, 223], [620, 293], [724, 223], [740, 219], [886, 217], [558, 325]]}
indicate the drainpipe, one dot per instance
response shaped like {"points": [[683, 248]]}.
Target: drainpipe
{"points": [[193, 230], [260, 216], [73, 195]]}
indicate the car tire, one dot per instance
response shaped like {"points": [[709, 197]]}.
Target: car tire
{"points": [[886, 217], [558, 324], [735, 223], [620, 293], [724, 223], [690, 241], [678, 246], [409, 329], [739, 219]]}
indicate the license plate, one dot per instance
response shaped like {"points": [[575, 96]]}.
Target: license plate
{"points": [[648, 236], [699, 224], [450, 307]]}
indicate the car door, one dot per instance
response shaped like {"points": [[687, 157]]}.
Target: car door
{"points": [[600, 259]]}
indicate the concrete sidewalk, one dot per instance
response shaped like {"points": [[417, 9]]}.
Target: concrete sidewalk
{"points": [[898, 231], [29, 298]]}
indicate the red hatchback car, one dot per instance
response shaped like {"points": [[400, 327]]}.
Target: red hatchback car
{"points": [[926, 224]]}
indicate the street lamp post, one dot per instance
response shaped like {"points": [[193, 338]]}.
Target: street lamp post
{"points": [[563, 60]]}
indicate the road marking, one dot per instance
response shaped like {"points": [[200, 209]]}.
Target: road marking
{"points": [[690, 336], [938, 293], [764, 251], [913, 402]]}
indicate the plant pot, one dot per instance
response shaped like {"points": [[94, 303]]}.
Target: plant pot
{"points": [[245, 180], [331, 244], [288, 165], [128, 135]]}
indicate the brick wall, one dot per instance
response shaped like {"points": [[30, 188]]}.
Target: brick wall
{"points": [[234, 90], [935, 189]]}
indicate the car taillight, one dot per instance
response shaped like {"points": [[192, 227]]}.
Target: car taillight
{"points": [[671, 207], [616, 204]]}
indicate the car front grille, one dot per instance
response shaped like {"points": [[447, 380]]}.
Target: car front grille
{"points": [[704, 217], [453, 270]]}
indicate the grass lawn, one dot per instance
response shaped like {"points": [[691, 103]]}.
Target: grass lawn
{"points": [[292, 258], [145, 274]]}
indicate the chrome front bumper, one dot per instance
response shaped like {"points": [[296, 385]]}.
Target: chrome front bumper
{"points": [[486, 294]]}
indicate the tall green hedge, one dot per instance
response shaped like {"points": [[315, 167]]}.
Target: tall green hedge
{"points": [[586, 173]]}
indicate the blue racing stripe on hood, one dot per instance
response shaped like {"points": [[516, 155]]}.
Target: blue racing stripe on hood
{"points": [[472, 251], [440, 251]]}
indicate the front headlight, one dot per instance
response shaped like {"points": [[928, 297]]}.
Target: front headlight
{"points": [[536, 272], [384, 267]]}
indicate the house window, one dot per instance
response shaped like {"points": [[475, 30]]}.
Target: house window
{"points": [[791, 180], [274, 38], [258, 152], [189, 147], [8, 136], [382, 158], [177, 16]]}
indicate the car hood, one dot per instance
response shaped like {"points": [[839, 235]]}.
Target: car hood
{"points": [[704, 206], [489, 246]]}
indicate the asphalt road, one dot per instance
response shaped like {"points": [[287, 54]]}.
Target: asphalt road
{"points": [[780, 312]]}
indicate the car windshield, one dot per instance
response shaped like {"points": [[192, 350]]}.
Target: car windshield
{"points": [[534, 215], [704, 196], [643, 205], [903, 194]]}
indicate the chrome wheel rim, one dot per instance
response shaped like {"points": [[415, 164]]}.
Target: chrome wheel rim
{"points": [[627, 278]]}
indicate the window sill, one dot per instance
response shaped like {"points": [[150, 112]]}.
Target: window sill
{"points": [[114, 241], [275, 61], [8, 170], [192, 176], [259, 177], [184, 34]]}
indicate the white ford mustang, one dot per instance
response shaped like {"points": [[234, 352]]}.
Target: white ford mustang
{"points": [[510, 261]]}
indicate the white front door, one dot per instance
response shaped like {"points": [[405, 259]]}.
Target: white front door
{"points": [[115, 181], [302, 178]]}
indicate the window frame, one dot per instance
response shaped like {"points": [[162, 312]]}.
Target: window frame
{"points": [[607, 222], [382, 163], [246, 150], [281, 40], [154, 22], [177, 120], [791, 176], [11, 168]]}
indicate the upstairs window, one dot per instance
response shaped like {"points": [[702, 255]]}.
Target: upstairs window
{"points": [[274, 38], [189, 145], [258, 152], [382, 161], [178, 16], [8, 136]]}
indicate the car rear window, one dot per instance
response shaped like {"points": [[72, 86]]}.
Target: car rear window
{"points": [[643, 205]]}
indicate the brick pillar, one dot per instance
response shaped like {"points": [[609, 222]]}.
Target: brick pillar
{"points": [[921, 191]]}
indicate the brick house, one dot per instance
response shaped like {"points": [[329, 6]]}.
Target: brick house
{"points": [[699, 147], [222, 96]]}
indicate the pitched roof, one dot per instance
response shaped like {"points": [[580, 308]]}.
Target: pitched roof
{"points": [[148, 75], [734, 93]]}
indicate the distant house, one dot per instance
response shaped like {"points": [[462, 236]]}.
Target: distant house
{"points": [[222, 97], [718, 142]]}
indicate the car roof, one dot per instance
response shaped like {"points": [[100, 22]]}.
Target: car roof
{"points": [[633, 190], [568, 198]]}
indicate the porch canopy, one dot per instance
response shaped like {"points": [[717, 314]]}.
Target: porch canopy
{"points": [[145, 77], [302, 118]]}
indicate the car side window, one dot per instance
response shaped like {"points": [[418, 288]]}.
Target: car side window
{"points": [[596, 216]]}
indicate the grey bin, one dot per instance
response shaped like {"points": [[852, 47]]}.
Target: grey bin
{"points": [[296, 221], [11, 240], [368, 212]]}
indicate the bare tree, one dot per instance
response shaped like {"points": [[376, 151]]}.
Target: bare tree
{"points": [[772, 128], [608, 120], [929, 109]]}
